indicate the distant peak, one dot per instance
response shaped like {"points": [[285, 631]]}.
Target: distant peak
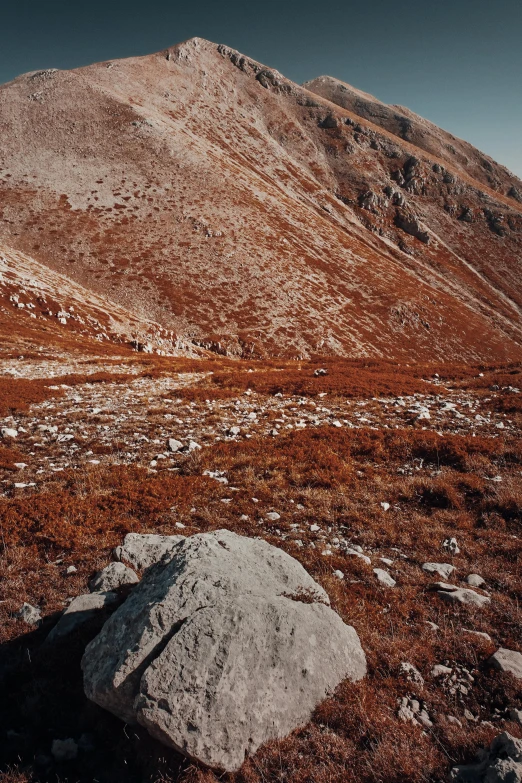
{"points": [[187, 49]]}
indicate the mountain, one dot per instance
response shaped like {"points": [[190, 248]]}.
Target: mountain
{"points": [[203, 192]]}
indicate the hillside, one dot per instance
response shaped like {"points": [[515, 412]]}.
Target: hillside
{"points": [[203, 191]]}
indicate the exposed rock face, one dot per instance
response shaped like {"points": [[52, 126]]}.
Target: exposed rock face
{"points": [[502, 763], [227, 645]]}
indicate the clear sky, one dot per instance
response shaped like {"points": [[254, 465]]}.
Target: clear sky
{"points": [[456, 62]]}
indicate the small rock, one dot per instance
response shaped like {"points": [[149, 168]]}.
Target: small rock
{"points": [[385, 506], [453, 594], [113, 576], [384, 577], [273, 516], [339, 574], [29, 614], [515, 715], [174, 445], [440, 670], [507, 661], [71, 570], [442, 569], [475, 580], [320, 372], [233, 431], [451, 545], [483, 635], [8, 432], [64, 750]]}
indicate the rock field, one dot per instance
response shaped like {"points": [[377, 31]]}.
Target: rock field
{"points": [[397, 488]]}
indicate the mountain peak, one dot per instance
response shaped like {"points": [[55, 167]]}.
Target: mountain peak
{"points": [[203, 191]]}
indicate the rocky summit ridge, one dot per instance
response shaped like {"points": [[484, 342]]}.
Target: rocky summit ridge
{"points": [[223, 206]]}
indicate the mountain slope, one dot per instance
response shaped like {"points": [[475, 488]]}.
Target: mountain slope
{"points": [[199, 189]]}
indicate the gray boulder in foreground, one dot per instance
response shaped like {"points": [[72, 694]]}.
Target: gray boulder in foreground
{"points": [[228, 644], [502, 763], [142, 550]]}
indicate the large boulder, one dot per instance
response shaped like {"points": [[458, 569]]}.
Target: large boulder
{"points": [[227, 644]]}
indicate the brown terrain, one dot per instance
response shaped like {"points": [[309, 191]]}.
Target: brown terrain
{"points": [[185, 239], [206, 192]]}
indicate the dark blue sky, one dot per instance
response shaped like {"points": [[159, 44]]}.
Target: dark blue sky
{"points": [[456, 62]]}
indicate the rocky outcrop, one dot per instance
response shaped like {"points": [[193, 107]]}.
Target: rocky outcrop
{"points": [[227, 644], [411, 225]]}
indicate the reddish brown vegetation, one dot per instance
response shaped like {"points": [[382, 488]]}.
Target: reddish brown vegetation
{"points": [[356, 378], [339, 478]]}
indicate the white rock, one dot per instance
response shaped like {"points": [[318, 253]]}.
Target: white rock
{"points": [[111, 577], [273, 516], [71, 570], [234, 431], [462, 595], [339, 574], [507, 661], [475, 580], [385, 506], [8, 432], [384, 577], [192, 446], [215, 653], [174, 445], [440, 670], [442, 569]]}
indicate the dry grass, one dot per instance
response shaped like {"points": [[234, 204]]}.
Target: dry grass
{"points": [[333, 478]]}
